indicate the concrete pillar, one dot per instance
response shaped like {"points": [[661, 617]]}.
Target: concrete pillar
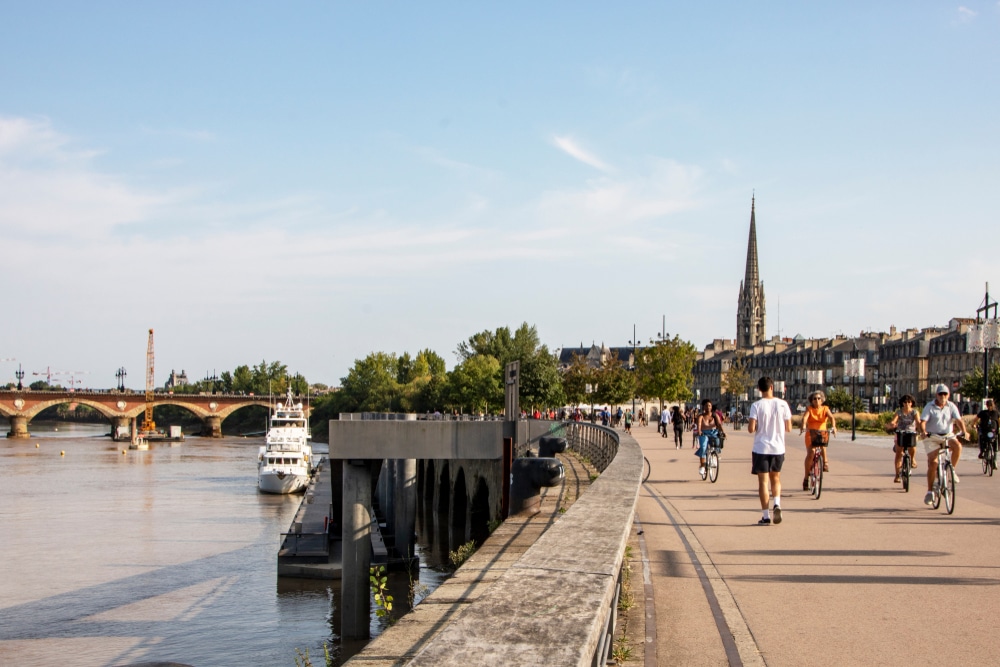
{"points": [[405, 506], [356, 550], [387, 498], [120, 431], [211, 426], [18, 427]]}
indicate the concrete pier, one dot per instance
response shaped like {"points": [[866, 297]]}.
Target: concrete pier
{"points": [[356, 549], [18, 427], [405, 507]]}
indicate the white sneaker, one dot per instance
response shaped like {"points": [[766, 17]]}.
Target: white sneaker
{"points": [[701, 471], [955, 475], [929, 498]]}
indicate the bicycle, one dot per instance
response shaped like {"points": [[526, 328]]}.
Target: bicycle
{"points": [[905, 440], [712, 452], [989, 437], [944, 484], [819, 439]]}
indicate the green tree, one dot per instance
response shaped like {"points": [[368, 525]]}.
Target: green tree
{"points": [[664, 370], [972, 385], [615, 383], [839, 400], [738, 380], [476, 383], [540, 385], [576, 379], [371, 385]]}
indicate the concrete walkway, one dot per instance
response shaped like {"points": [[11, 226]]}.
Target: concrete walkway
{"points": [[854, 578]]}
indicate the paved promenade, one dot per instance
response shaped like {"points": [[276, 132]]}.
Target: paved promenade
{"points": [[866, 566]]}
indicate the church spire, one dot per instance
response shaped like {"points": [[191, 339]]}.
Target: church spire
{"points": [[750, 311], [752, 276]]}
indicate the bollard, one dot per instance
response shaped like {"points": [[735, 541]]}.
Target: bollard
{"points": [[549, 446], [528, 476]]}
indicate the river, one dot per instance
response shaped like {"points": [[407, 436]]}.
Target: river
{"points": [[113, 558]]}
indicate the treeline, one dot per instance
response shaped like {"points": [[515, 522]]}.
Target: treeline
{"points": [[261, 380]]}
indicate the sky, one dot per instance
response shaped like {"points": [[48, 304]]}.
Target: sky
{"points": [[310, 182]]}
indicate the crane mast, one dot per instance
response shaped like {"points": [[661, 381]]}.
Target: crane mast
{"points": [[148, 424]]}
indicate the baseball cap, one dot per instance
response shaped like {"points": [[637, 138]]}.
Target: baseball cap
{"points": [[941, 389]]}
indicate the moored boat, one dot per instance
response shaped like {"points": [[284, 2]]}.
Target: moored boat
{"points": [[284, 462]]}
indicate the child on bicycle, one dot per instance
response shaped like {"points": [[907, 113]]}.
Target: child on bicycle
{"points": [[814, 426], [905, 423]]}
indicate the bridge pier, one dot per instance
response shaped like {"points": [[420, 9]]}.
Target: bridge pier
{"points": [[356, 527], [121, 429], [211, 427], [405, 506], [18, 427]]}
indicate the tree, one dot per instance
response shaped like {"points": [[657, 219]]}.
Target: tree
{"points": [[839, 400], [540, 385], [371, 385], [476, 383], [665, 369], [972, 385], [615, 383], [576, 379], [738, 380]]}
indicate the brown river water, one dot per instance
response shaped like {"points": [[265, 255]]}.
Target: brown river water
{"points": [[167, 554]]}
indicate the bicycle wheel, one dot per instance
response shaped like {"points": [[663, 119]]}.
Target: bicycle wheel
{"points": [[817, 475], [992, 456], [713, 466], [938, 486], [948, 488], [904, 473], [987, 468], [646, 469]]}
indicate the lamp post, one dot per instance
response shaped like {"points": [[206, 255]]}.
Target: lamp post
{"points": [[19, 374], [854, 368], [985, 335], [120, 374], [633, 343]]}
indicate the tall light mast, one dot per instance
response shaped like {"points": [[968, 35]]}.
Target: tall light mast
{"points": [[148, 424]]}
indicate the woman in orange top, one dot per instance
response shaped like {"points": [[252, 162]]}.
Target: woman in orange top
{"points": [[814, 425]]}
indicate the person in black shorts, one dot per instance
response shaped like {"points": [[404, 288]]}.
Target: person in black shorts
{"points": [[987, 422], [769, 420]]}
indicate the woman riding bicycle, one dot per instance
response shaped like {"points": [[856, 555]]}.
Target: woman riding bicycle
{"points": [[709, 426], [814, 426], [905, 423]]}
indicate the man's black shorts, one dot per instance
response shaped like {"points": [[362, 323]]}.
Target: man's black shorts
{"points": [[765, 463]]}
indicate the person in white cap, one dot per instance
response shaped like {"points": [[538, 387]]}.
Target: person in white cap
{"points": [[936, 422]]}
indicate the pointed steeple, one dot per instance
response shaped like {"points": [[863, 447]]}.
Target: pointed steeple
{"points": [[750, 311], [752, 276]]}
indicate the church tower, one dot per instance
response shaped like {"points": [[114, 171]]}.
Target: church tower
{"points": [[750, 312]]}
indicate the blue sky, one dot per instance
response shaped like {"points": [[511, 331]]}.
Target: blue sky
{"points": [[312, 181]]}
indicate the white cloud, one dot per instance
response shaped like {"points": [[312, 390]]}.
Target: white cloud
{"points": [[574, 150], [965, 14]]}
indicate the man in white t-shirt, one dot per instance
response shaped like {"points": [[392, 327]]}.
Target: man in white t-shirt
{"points": [[936, 422], [770, 419]]}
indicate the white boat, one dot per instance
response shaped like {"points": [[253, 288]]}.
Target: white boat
{"points": [[283, 463]]}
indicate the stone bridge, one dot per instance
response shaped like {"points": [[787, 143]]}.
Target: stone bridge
{"points": [[20, 407]]}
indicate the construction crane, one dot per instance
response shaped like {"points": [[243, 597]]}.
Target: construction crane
{"points": [[148, 424], [48, 373]]}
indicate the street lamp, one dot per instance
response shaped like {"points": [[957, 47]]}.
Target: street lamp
{"points": [[983, 335], [854, 368], [19, 374], [633, 343], [120, 374]]}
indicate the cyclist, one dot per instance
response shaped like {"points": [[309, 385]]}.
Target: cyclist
{"points": [[936, 422], [709, 426], [987, 421], [814, 424], [905, 423]]}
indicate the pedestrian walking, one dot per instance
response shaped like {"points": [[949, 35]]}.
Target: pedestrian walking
{"points": [[770, 419], [664, 418]]}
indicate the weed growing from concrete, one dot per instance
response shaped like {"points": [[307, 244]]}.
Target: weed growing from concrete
{"points": [[380, 593], [306, 662], [462, 554]]}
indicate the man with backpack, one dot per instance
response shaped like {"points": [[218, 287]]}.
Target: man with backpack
{"points": [[987, 421]]}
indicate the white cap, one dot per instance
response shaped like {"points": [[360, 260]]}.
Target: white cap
{"points": [[941, 389]]}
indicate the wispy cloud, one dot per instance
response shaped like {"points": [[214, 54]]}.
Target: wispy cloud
{"points": [[966, 15], [574, 150]]}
